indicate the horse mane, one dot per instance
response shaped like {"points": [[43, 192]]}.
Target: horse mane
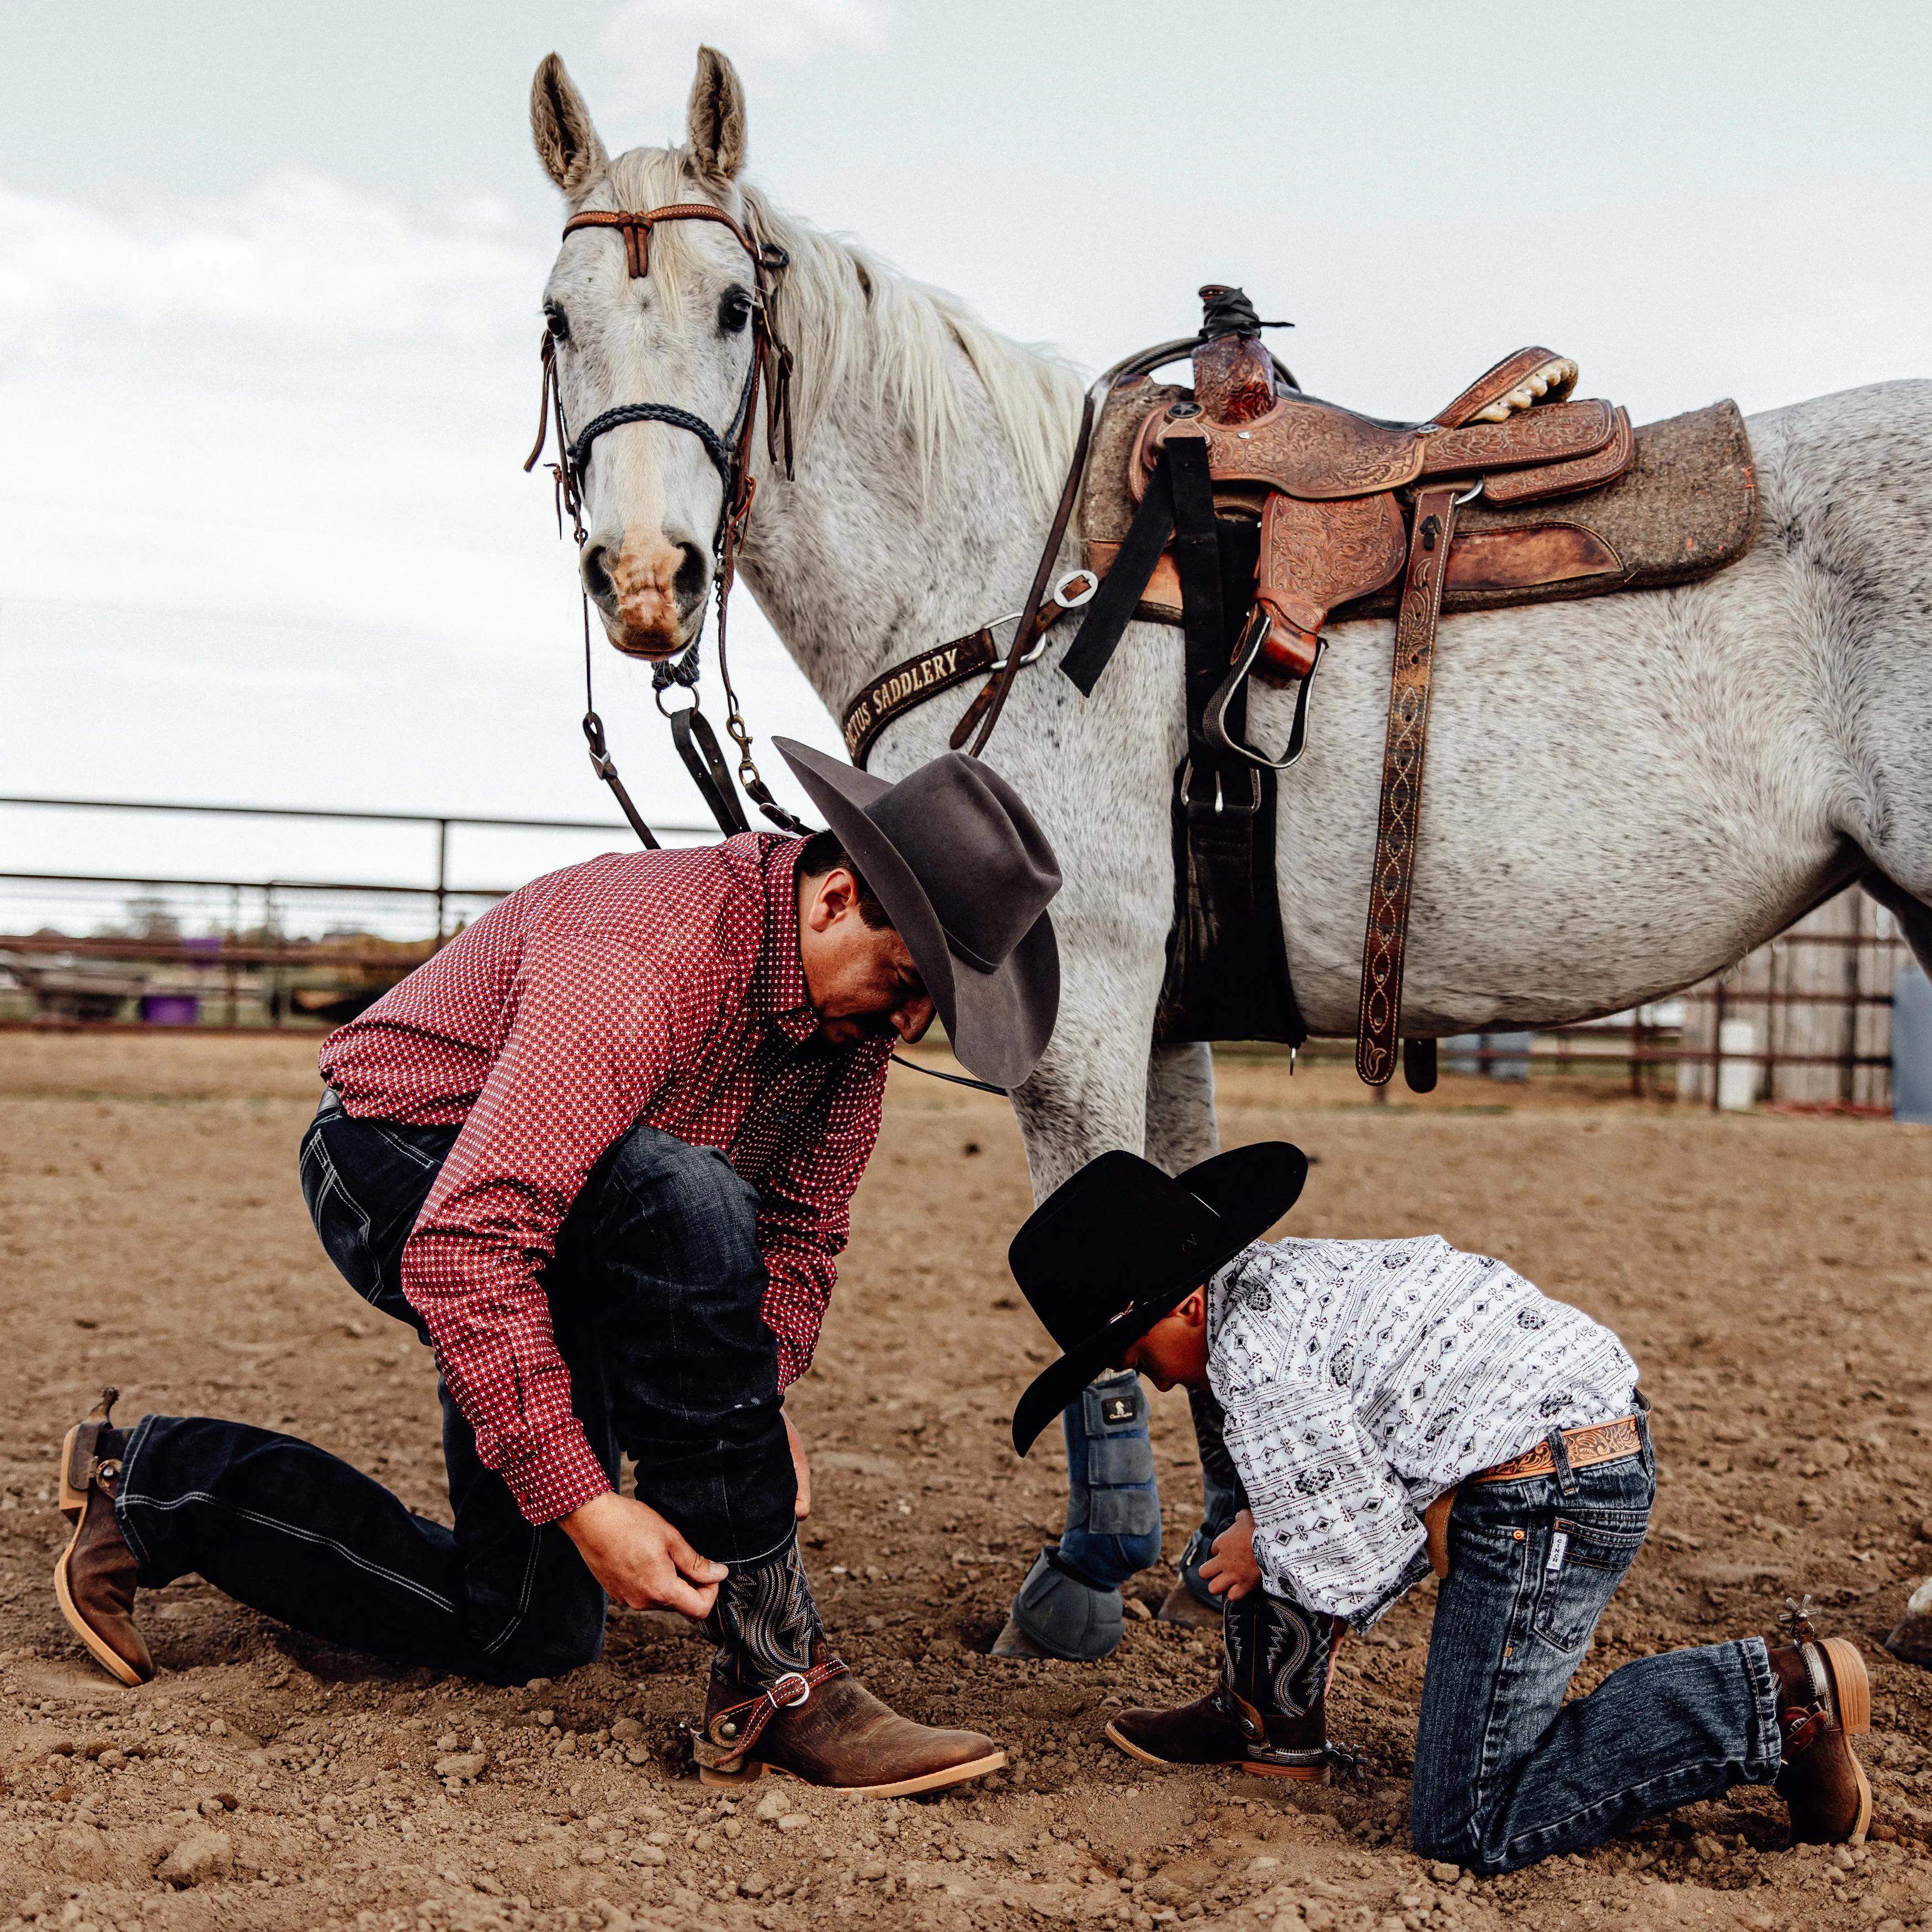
{"points": [[851, 317]]}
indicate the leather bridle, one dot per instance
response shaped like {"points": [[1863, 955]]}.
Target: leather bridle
{"points": [[731, 453]]}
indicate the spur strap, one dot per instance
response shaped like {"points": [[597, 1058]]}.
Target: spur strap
{"points": [[1398, 821], [731, 1733]]}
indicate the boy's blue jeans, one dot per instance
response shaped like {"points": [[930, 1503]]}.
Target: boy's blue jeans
{"points": [[1506, 1772]]}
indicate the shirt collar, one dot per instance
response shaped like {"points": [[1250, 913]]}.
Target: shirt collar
{"points": [[779, 981]]}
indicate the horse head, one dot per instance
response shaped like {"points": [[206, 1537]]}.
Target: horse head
{"points": [[661, 316]]}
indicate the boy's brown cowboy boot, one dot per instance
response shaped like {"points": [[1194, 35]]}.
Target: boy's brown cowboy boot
{"points": [[1268, 1712], [94, 1581], [779, 1700], [1824, 1701]]}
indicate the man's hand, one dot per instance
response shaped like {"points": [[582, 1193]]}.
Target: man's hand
{"points": [[801, 1468], [640, 1559], [1232, 1571]]}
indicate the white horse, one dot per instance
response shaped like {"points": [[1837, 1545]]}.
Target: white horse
{"points": [[1624, 794]]}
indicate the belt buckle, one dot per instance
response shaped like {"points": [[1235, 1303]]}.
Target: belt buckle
{"points": [[778, 1703]]}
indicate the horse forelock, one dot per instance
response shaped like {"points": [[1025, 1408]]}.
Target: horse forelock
{"points": [[864, 332]]}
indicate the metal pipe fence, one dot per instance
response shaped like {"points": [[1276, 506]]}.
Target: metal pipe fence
{"points": [[267, 951]]}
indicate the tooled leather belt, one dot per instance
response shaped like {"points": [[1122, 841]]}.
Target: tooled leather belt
{"points": [[1601, 1442]]}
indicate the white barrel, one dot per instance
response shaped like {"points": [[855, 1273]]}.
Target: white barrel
{"points": [[1738, 1079]]}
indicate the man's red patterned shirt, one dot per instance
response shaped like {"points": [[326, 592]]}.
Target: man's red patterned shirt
{"points": [[664, 988]]}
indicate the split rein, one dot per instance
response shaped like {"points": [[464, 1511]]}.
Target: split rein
{"points": [[730, 454]]}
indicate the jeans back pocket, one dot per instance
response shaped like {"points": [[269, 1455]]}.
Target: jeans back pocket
{"points": [[1583, 1562]]}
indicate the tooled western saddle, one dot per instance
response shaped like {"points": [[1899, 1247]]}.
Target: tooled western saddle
{"points": [[1336, 508], [1253, 515]]}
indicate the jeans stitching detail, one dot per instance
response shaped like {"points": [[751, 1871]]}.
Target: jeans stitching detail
{"points": [[516, 1616], [130, 1456], [341, 1548], [332, 1179]]}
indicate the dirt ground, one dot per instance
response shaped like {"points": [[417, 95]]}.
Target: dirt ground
{"points": [[1770, 1274]]}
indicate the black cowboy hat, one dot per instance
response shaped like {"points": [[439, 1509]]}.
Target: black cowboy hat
{"points": [[1110, 1252], [958, 861]]}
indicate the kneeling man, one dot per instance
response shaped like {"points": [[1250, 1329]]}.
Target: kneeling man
{"points": [[598, 1152], [1395, 1406]]}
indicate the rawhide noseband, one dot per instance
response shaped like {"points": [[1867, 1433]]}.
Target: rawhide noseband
{"points": [[731, 453]]}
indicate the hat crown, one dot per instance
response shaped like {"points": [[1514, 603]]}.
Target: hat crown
{"points": [[976, 849], [1120, 1231]]}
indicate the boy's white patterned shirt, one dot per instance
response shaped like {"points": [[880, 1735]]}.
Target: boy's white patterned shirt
{"points": [[1361, 1379]]}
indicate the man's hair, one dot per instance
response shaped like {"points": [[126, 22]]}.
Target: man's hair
{"points": [[823, 853]]}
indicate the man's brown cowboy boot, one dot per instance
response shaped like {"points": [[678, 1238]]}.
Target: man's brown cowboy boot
{"points": [[1824, 1701], [822, 1726], [94, 1581], [1267, 1713], [779, 1700]]}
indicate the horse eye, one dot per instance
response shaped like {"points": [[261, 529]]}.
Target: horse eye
{"points": [[558, 323], [734, 311]]}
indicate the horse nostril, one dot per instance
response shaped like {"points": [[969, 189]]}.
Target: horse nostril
{"points": [[692, 571], [596, 572]]}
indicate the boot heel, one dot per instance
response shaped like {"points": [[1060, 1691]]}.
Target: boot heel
{"points": [[1851, 1686], [1315, 1774], [752, 1769]]}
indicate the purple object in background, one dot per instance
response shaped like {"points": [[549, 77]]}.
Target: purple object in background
{"points": [[170, 1008]]}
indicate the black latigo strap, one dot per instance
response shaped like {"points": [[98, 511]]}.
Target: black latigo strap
{"points": [[731, 1733], [902, 686], [1115, 603]]}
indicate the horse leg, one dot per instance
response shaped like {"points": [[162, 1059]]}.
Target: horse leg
{"points": [[1070, 1605], [1182, 1130], [1913, 915]]}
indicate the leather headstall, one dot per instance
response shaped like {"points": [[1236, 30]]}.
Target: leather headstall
{"points": [[730, 450]]}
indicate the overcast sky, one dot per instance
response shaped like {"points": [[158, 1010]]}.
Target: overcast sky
{"points": [[268, 282]]}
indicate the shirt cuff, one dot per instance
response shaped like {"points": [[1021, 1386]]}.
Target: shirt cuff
{"points": [[560, 1475], [1406, 1579]]}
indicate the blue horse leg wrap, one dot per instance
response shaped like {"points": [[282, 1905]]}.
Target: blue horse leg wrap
{"points": [[1066, 1617], [1223, 1499], [1070, 1602], [1113, 1507]]}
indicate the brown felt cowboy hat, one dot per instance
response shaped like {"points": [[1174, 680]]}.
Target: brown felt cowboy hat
{"points": [[965, 874], [1120, 1244]]}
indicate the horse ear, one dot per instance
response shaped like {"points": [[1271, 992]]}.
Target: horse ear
{"points": [[715, 131], [567, 143]]}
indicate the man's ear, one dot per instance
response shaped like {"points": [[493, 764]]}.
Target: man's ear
{"points": [[1194, 1310]]}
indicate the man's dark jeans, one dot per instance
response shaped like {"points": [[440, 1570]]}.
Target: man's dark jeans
{"points": [[1506, 1772], [655, 1292]]}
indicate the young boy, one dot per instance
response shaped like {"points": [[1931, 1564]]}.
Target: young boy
{"points": [[1396, 1405]]}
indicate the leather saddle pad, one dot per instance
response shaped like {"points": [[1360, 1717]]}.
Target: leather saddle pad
{"points": [[1685, 509]]}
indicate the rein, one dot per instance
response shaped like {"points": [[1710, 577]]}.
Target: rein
{"points": [[731, 453]]}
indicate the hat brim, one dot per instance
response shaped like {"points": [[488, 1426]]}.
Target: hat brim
{"points": [[999, 1022], [1250, 1188]]}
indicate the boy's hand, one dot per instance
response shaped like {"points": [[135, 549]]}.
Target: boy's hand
{"points": [[1232, 1571], [640, 1558]]}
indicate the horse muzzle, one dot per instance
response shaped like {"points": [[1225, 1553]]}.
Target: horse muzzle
{"points": [[649, 592]]}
